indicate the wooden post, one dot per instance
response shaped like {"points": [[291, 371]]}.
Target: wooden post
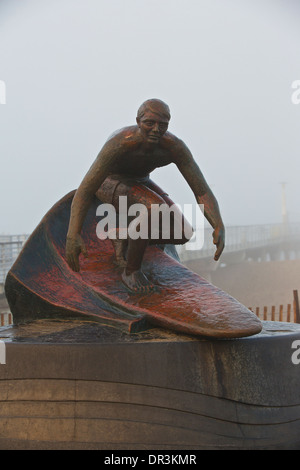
{"points": [[265, 313], [296, 307], [273, 313], [257, 311], [281, 313], [288, 315]]}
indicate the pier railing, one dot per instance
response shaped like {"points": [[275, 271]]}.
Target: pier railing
{"points": [[239, 238], [10, 247]]}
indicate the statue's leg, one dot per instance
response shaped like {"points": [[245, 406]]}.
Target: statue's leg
{"points": [[120, 249], [133, 276], [165, 225], [106, 194], [130, 252]]}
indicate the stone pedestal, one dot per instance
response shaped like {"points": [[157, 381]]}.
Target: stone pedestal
{"points": [[77, 385]]}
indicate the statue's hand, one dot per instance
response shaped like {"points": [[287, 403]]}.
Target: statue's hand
{"points": [[74, 246], [219, 241]]}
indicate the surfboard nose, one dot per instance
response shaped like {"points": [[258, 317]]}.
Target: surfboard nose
{"points": [[228, 319]]}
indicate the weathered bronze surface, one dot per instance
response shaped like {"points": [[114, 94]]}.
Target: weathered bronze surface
{"points": [[64, 270], [42, 285], [122, 168]]}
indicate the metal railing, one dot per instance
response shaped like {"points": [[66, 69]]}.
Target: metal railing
{"points": [[241, 238], [10, 247], [237, 238]]}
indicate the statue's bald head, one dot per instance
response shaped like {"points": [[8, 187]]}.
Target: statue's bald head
{"points": [[155, 106]]}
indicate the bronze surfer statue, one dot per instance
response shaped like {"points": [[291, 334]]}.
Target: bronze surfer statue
{"points": [[122, 168]]}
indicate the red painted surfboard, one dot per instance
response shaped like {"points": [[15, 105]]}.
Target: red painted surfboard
{"points": [[40, 284]]}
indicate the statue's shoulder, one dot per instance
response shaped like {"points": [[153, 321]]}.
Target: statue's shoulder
{"points": [[125, 135], [172, 142], [176, 149]]}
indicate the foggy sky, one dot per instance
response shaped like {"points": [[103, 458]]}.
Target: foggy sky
{"points": [[77, 70]]}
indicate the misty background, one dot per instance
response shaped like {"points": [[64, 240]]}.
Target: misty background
{"points": [[77, 70]]}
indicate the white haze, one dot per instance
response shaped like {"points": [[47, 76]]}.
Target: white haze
{"points": [[76, 70]]}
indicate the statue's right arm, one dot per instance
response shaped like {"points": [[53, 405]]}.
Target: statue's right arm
{"points": [[83, 199]]}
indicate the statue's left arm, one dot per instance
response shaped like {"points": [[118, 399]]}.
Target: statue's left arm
{"points": [[203, 194]]}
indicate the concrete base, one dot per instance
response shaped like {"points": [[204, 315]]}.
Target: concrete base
{"points": [[77, 385]]}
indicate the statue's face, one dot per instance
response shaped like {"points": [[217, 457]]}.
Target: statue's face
{"points": [[152, 126]]}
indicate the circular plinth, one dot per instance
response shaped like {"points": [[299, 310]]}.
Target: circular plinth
{"points": [[78, 385]]}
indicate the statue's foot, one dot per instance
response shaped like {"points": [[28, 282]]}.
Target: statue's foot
{"points": [[120, 249], [137, 282]]}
